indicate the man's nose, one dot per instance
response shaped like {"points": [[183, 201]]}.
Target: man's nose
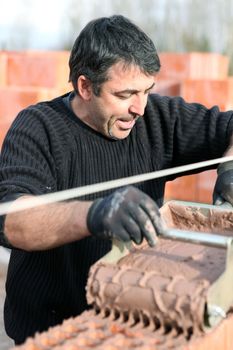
{"points": [[138, 104]]}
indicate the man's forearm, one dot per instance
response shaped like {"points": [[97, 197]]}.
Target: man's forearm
{"points": [[47, 226]]}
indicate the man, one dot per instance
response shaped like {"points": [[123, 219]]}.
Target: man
{"points": [[109, 127]]}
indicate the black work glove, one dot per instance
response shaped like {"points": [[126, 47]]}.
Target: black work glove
{"points": [[223, 190], [126, 214]]}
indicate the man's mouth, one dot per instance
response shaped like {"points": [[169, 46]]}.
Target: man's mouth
{"points": [[126, 124]]}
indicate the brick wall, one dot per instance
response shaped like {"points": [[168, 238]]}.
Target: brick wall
{"points": [[197, 77], [27, 77]]}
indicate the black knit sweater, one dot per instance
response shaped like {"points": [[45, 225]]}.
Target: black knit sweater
{"points": [[49, 149]]}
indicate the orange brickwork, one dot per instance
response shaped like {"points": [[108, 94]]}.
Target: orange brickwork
{"points": [[220, 338], [27, 77], [194, 65], [203, 78], [195, 188], [181, 188], [90, 331], [3, 69], [38, 68], [167, 87], [14, 99], [208, 92]]}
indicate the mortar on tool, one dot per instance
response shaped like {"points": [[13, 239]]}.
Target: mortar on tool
{"points": [[210, 228]]}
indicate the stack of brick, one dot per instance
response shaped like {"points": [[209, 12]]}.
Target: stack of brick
{"points": [[27, 77], [89, 331], [197, 77]]}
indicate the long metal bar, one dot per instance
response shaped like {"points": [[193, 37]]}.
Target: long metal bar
{"points": [[49, 198], [207, 239]]}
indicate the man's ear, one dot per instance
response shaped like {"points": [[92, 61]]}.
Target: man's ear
{"points": [[84, 87]]}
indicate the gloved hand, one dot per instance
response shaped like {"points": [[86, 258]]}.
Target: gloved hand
{"points": [[126, 214], [223, 190]]}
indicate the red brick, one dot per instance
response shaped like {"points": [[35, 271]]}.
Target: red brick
{"points": [[230, 93], [205, 186], [4, 126], [183, 188], [3, 68], [197, 188], [38, 69], [207, 92], [220, 338], [14, 99], [167, 88], [194, 65], [174, 66], [208, 66]]}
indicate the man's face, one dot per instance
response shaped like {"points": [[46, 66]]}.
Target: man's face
{"points": [[121, 101]]}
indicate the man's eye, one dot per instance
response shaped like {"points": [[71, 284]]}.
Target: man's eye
{"points": [[123, 97]]}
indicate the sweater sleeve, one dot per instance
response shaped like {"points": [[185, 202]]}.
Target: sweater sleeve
{"points": [[188, 132], [27, 165]]}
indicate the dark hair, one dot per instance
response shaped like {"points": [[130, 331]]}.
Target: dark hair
{"points": [[106, 41]]}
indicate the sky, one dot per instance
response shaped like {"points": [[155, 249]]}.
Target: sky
{"points": [[30, 23], [43, 24]]}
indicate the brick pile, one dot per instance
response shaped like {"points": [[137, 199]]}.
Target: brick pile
{"points": [[89, 331], [27, 77], [197, 77]]}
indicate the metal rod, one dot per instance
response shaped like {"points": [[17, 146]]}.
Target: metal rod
{"points": [[49, 198], [207, 239]]}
